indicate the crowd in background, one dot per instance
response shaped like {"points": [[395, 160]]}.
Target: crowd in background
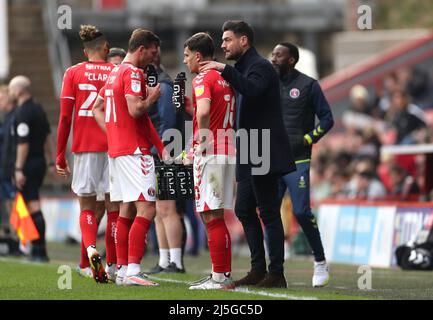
{"points": [[349, 164]]}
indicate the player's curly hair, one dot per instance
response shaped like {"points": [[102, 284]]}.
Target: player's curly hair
{"points": [[92, 37], [89, 32]]}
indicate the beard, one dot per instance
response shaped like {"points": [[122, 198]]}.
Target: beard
{"points": [[234, 55], [280, 69]]}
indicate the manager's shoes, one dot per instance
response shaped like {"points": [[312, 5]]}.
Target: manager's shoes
{"points": [[173, 268], [321, 274], [273, 281], [156, 269], [251, 279]]}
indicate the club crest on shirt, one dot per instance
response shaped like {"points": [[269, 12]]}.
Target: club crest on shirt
{"points": [[199, 90], [295, 93], [136, 86]]}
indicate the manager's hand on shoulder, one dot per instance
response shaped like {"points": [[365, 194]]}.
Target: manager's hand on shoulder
{"points": [[209, 65]]}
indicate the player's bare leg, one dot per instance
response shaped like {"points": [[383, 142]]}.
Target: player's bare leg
{"points": [[220, 252], [171, 221], [164, 250]]}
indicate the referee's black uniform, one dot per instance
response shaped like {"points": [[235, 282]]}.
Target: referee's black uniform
{"points": [[32, 127]]}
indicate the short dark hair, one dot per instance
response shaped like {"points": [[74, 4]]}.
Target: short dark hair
{"points": [[293, 50], [116, 52], [201, 42], [240, 28], [142, 37]]}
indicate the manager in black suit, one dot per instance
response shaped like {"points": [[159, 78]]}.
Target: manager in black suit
{"points": [[258, 118]]}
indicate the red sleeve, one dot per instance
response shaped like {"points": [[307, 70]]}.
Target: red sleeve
{"points": [[68, 90], [134, 83], [64, 128], [154, 137], [101, 92]]}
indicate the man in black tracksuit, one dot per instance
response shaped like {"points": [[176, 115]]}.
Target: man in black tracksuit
{"points": [[258, 109], [302, 100]]}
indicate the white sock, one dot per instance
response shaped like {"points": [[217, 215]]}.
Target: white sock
{"points": [[110, 268], [133, 269], [121, 272], [220, 277], [91, 250], [164, 258], [176, 257]]}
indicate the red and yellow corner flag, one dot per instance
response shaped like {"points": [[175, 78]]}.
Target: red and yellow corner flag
{"points": [[21, 220]]}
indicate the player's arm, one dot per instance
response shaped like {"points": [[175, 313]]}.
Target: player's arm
{"points": [[49, 151], [98, 111], [323, 112], [67, 103], [155, 140], [137, 106]]}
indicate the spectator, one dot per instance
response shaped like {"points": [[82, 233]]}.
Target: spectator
{"points": [[359, 100], [365, 185], [405, 117], [404, 186], [361, 114]]}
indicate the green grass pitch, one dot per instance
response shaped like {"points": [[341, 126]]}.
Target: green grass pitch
{"points": [[22, 280]]}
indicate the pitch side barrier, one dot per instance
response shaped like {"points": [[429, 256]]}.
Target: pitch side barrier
{"points": [[367, 233]]}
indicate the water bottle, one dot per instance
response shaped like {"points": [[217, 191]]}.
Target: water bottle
{"points": [[179, 91]]}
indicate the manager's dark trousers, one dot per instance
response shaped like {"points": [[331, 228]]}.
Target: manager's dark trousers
{"points": [[262, 192]]}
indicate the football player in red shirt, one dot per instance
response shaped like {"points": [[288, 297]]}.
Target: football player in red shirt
{"points": [[214, 110], [131, 135], [81, 85]]}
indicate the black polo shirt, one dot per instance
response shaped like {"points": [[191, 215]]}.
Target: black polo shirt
{"points": [[32, 127]]}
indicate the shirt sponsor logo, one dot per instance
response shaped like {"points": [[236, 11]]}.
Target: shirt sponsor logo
{"points": [[136, 86], [135, 75], [295, 93], [223, 83], [199, 91]]}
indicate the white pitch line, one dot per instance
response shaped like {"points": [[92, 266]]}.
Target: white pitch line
{"points": [[243, 290]]}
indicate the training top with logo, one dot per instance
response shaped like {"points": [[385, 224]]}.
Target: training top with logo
{"points": [[82, 83], [212, 86], [127, 135]]}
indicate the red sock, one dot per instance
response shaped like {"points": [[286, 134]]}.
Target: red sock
{"points": [[122, 236], [220, 247], [137, 239], [84, 260], [89, 228], [110, 237]]}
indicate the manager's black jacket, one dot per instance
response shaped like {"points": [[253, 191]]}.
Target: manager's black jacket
{"points": [[258, 107]]}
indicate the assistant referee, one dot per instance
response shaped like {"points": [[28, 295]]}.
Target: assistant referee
{"points": [[31, 132]]}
